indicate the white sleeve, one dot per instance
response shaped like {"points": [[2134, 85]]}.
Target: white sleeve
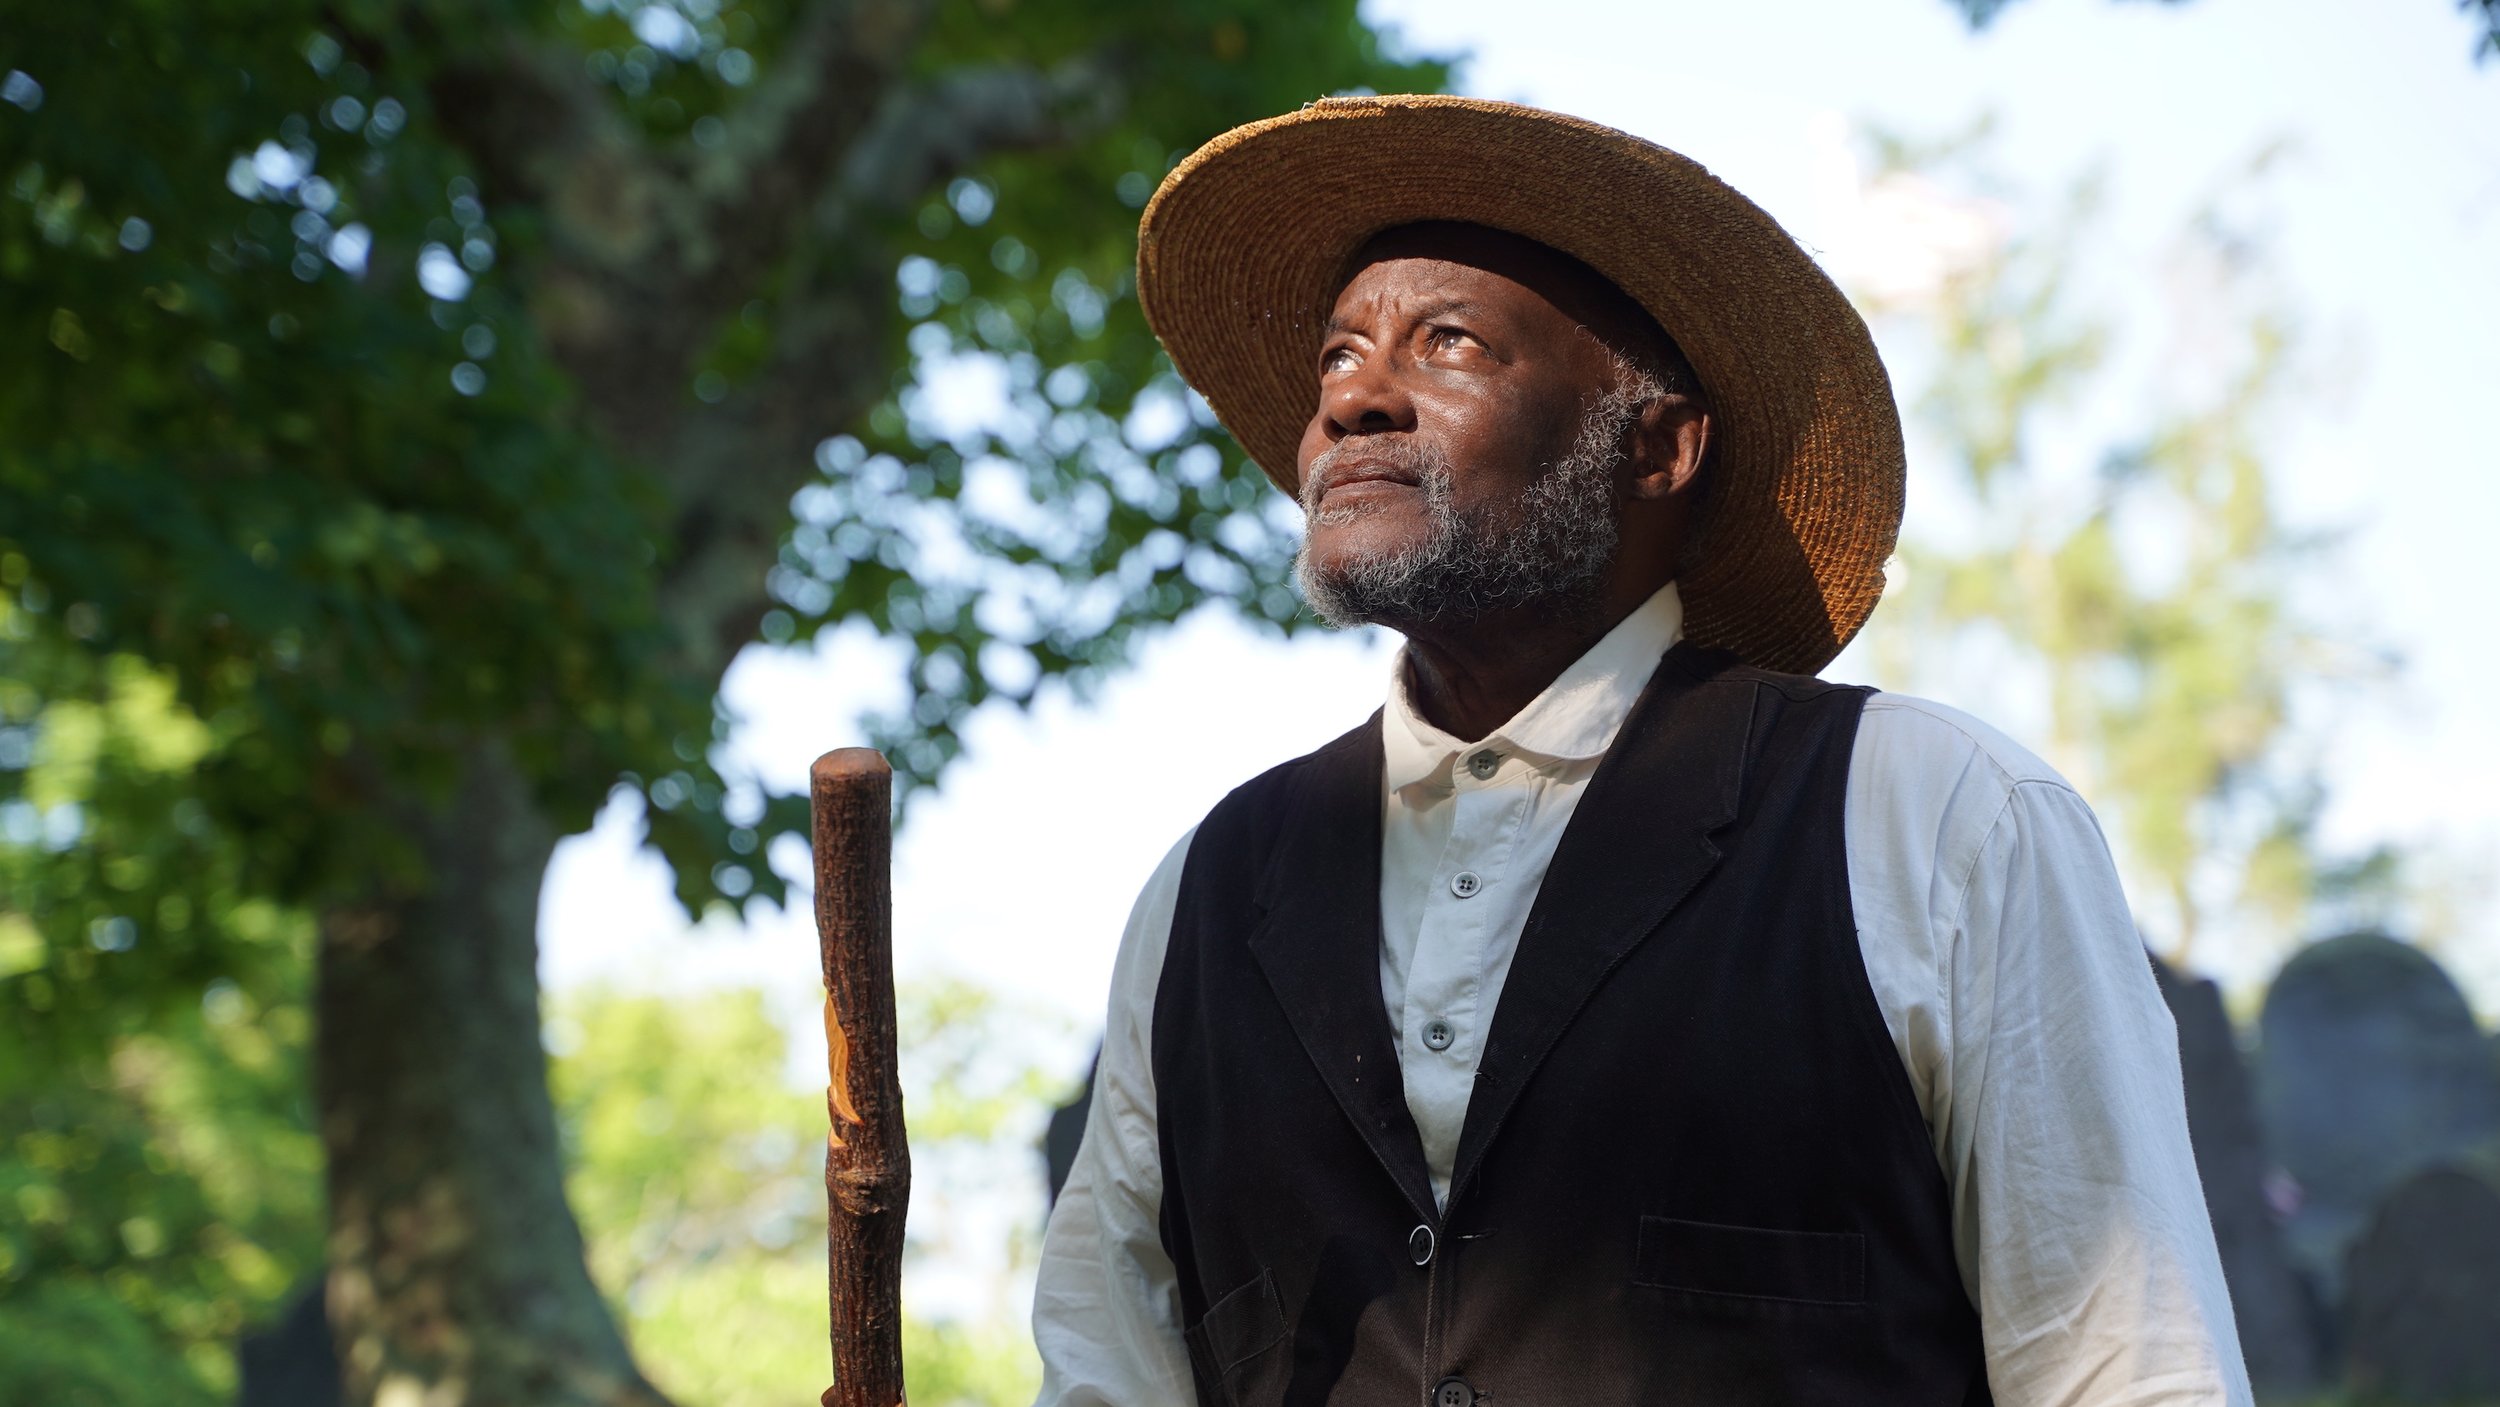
{"points": [[2017, 991], [1106, 1307], [2074, 1183]]}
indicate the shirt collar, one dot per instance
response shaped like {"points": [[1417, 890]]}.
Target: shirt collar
{"points": [[1576, 718]]}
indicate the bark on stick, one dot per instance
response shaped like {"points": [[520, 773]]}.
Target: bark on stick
{"points": [[867, 1163]]}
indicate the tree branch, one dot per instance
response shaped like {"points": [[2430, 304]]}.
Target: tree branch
{"points": [[738, 463], [922, 136], [541, 132], [826, 367], [928, 133], [645, 252], [606, 291], [789, 138]]}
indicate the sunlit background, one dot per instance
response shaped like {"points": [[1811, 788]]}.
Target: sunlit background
{"points": [[2190, 308]]}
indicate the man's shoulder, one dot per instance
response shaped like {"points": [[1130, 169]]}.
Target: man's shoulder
{"points": [[1902, 737], [1936, 800], [1913, 759]]}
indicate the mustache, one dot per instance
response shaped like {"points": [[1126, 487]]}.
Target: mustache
{"points": [[1402, 459]]}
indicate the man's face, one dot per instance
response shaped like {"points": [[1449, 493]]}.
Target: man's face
{"points": [[1463, 454]]}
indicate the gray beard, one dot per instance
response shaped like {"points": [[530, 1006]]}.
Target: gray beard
{"points": [[1550, 553]]}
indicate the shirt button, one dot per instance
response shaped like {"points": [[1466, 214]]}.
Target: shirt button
{"points": [[1453, 1392], [1419, 1245], [1437, 1036], [1465, 883], [1484, 764]]}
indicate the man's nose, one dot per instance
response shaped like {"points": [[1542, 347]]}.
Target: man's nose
{"points": [[1369, 400]]}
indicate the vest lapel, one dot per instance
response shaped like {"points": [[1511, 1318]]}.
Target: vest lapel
{"points": [[1319, 944], [1640, 840]]}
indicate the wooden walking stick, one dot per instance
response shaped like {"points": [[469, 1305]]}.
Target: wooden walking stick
{"points": [[867, 1162]]}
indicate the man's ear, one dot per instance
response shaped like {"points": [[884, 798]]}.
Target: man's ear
{"points": [[1668, 445]]}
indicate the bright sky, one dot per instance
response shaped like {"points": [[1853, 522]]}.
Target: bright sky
{"points": [[1021, 870]]}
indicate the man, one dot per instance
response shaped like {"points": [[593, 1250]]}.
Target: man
{"points": [[1621, 1015]]}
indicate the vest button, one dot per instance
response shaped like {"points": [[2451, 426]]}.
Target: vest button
{"points": [[1465, 883], [1419, 1245], [1453, 1392]]}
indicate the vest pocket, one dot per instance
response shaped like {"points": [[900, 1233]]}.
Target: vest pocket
{"points": [[1751, 1262], [1246, 1322]]}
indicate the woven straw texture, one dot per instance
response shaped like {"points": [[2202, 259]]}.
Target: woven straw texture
{"points": [[1240, 255]]}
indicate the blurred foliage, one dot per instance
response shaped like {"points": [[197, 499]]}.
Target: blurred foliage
{"points": [[699, 1180], [2168, 614], [1981, 13], [149, 1220], [303, 508], [2485, 15], [283, 436], [153, 1206], [237, 458]]}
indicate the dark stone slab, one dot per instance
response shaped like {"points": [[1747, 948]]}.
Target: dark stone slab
{"points": [[291, 1363], [1066, 1131], [2422, 1305], [2281, 1334], [2371, 1069]]}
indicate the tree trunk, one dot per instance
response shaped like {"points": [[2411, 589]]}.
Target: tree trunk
{"points": [[457, 1276]]}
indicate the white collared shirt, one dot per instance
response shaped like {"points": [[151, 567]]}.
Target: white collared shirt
{"points": [[1467, 831], [1999, 948]]}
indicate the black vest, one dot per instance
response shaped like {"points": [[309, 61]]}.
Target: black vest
{"points": [[1693, 1169]]}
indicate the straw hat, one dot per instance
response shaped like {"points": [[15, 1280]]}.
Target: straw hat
{"points": [[1241, 252]]}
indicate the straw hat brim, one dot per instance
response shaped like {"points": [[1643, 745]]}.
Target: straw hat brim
{"points": [[1240, 253]]}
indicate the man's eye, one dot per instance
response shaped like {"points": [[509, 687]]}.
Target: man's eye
{"points": [[1336, 359], [1444, 339]]}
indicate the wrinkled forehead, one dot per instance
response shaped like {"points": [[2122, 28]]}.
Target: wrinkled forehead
{"points": [[1578, 291]]}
